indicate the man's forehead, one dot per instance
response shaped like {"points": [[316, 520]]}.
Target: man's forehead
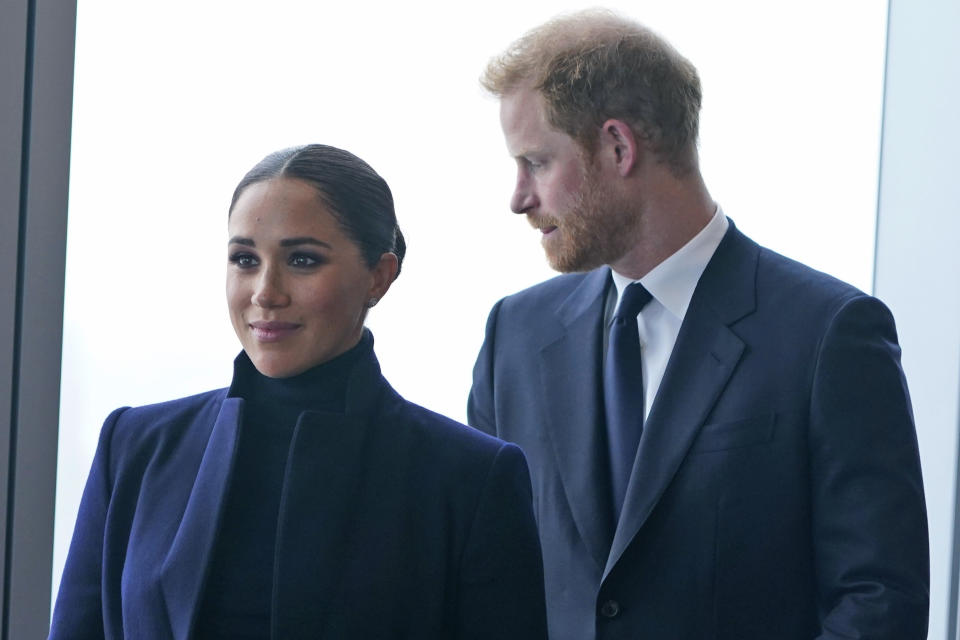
{"points": [[524, 123], [521, 103]]}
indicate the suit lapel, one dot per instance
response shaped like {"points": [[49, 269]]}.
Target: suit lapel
{"points": [[705, 355], [185, 566], [572, 401]]}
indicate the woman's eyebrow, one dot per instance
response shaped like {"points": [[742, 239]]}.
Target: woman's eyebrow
{"points": [[292, 242], [286, 242]]}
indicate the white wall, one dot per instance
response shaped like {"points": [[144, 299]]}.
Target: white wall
{"points": [[918, 262], [174, 101]]}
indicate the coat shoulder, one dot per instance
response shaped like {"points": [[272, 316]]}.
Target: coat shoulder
{"points": [[173, 410], [445, 436], [144, 428], [454, 453]]}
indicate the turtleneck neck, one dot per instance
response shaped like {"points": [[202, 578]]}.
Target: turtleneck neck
{"points": [[320, 388], [236, 602]]}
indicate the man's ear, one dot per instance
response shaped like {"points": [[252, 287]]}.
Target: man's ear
{"points": [[620, 145]]}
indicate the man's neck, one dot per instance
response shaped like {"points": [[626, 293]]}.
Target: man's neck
{"points": [[674, 211]]}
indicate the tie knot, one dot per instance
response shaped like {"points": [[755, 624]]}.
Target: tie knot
{"points": [[635, 297]]}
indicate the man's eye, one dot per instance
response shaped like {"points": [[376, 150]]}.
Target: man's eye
{"points": [[243, 260]]}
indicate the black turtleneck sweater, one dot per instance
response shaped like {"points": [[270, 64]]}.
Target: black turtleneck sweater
{"points": [[237, 596]]}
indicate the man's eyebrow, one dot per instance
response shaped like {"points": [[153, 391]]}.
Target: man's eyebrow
{"points": [[292, 242]]}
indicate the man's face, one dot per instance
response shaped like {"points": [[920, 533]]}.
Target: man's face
{"points": [[562, 193]]}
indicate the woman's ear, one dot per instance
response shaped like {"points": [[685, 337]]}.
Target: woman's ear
{"points": [[620, 146], [384, 273]]}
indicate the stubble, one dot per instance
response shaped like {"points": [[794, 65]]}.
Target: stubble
{"points": [[599, 229]]}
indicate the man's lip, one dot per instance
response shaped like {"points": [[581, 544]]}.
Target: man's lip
{"points": [[543, 225]]}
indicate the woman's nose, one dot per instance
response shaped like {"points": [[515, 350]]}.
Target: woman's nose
{"points": [[269, 291]]}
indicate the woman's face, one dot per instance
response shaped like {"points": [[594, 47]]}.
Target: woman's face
{"points": [[297, 285]]}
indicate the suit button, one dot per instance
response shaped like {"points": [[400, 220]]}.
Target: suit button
{"points": [[610, 609]]}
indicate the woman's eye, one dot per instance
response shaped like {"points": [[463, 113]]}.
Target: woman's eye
{"points": [[304, 260], [243, 260]]}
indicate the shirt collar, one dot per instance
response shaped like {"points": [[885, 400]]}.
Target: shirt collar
{"points": [[672, 282]]}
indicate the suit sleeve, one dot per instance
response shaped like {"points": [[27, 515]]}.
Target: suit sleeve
{"points": [[78, 613], [501, 591], [869, 514], [480, 406]]}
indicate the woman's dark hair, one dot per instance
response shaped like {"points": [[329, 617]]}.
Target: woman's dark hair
{"points": [[358, 198]]}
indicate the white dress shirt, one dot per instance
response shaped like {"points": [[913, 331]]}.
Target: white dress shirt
{"points": [[671, 283]]}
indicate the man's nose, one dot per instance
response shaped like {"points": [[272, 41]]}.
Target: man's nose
{"points": [[524, 198]]}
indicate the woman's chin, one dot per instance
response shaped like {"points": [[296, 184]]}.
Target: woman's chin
{"points": [[278, 367]]}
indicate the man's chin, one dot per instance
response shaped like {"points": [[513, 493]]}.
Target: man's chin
{"points": [[572, 263]]}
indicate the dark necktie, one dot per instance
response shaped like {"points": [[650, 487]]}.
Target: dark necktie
{"points": [[623, 390]]}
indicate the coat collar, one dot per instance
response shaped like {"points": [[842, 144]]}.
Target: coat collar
{"points": [[319, 502], [325, 451], [184, 569]]}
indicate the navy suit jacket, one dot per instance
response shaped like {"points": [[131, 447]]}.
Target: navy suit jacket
{"points": [[776, 492], [394, 523]]}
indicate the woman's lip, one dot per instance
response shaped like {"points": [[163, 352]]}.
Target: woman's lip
{"points": [[272, 331]]}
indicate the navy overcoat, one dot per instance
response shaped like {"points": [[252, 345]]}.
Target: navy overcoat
{"points": [[394, 522]]}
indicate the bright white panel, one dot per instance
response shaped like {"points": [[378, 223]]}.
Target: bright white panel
{"points": [[176, 100]]}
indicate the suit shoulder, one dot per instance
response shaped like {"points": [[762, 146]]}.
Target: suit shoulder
{"points": [[547, 292], [783, 280], [776, 277], [778, 266], [808, 304], [766, 290]]}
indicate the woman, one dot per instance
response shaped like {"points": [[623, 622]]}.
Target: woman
{"points": [[307, 500]]}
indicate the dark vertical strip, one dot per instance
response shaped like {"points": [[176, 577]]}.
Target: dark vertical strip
{"points": [[955, 548], [883, 128], [18, 309]]}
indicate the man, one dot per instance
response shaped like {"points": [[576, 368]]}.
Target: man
{"points": [[742, 463]]}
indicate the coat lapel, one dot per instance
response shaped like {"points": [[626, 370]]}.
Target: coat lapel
{"points": [[321, 482], [184, 568], [322, 479], [572, 401], [705, 355]]}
